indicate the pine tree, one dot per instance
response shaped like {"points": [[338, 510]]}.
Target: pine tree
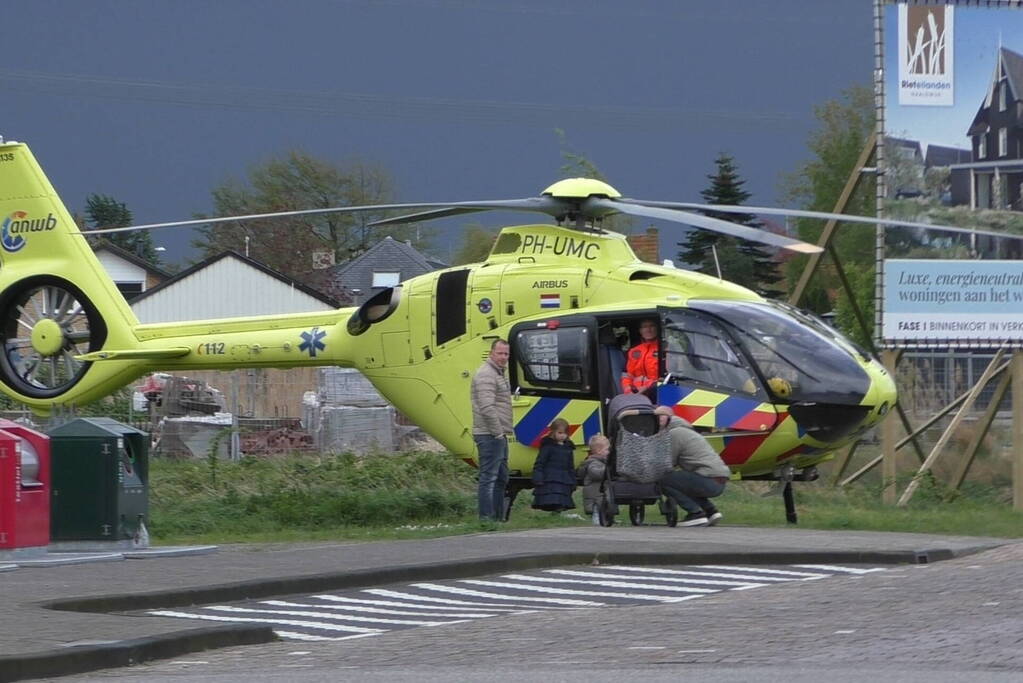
{"points": [[743, 262], [103, 211]]}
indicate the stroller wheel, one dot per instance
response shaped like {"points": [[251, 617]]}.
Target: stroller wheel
{"points": [[637, 513], [670, 511]]}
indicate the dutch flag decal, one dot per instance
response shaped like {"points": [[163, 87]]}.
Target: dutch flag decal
{"points": [[550, 301]]}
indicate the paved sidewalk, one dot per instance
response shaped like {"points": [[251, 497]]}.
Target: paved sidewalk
{"points": [[82, 635]]}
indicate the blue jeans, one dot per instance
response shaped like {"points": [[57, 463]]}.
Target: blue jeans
{"points": [[493, 459], [691, 490]]}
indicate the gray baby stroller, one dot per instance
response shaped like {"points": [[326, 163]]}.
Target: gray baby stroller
{"points": [[640, 455]]}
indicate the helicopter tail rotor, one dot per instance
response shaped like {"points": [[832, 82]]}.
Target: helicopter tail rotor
{"points": [[57, 302]]}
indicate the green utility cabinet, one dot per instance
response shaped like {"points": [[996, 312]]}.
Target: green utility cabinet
{"points": [[100, 480]]}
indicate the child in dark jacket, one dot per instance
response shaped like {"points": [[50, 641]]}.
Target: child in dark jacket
{"points": [[554, 470]]}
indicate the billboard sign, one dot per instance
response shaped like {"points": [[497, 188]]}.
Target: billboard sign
{"points": [[951, 120], [929, 301]]}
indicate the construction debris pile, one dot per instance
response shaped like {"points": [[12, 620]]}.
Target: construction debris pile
{"points": [[346, 413]]}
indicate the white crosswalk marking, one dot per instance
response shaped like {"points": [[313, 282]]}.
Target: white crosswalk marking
{"points": [[780, 572], [569, 591], [377, 610], [498, 596], [833, 568], [373, 611], [693, 572], [413, 596], [298, 635], [624, 577], [287, 622], [323, 615], [610, 584], [462, 604]]}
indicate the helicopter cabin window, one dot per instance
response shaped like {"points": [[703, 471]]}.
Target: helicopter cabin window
{"points": [[699, 351], [389, 278], [554, 358], [450, 303]]}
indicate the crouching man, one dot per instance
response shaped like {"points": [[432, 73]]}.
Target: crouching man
{"points": [[699, 474]]}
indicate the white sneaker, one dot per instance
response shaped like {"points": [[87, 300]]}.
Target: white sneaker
{"points": [[713, 518], [695, 519]]}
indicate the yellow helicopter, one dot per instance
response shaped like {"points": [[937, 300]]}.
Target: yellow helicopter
{"points": [[774, 389]]}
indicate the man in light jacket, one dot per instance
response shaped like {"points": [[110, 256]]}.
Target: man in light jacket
{"points": [[700, 473], [491, 425]]}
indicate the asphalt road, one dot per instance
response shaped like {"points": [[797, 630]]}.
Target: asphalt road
{"points": [[958, 620]]}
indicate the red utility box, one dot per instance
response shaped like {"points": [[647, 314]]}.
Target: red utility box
{"points": [[24, 486]]}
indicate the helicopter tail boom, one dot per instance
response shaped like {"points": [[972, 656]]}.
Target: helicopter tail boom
{"points": [[69, 336]]}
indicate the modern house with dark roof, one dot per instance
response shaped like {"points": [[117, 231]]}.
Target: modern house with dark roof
{"points": [[383, 265], [996, 172]]}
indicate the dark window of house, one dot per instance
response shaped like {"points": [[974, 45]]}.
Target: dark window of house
{"points": [[451, 304], [129, 290]]}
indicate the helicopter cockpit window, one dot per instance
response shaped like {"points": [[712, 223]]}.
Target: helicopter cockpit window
{"points": [[699, 351], [554, 358], [799, 361]]}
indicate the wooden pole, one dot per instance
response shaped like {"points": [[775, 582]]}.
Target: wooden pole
{"points": [[829, 227], [952, 426], [889, 467], [912, 437], [1017, 430], [842, 462], [983, 427]]}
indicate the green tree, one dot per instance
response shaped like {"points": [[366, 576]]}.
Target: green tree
{"points": [[861, 281], [843, 127], [103, 211], [297, 182], [477, 241], [743, 262]]}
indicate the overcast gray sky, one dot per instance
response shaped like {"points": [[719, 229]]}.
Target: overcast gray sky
{"points": [[156, 101]]}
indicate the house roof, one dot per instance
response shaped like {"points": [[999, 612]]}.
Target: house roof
{"points": [[230, 253], [940, 155], [1012, 63], [124, 254], [386, 255], [912, 145]]}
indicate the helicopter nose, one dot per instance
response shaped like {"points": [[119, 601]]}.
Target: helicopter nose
{"points": [[838, 422], [882, 394]]}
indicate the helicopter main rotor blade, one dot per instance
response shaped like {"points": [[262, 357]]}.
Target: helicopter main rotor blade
{"points": [[423, 216], [801, 213], [705, 222], [547, 205]]}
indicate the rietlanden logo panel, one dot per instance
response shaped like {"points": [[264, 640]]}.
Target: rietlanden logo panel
{"points": [[925, 55]]}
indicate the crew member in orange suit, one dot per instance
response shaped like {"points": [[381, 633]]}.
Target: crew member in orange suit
{"points": [[643, 362]]}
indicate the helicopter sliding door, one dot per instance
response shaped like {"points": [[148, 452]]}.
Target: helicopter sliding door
{"points": [[553, 374], [710, 383]]}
